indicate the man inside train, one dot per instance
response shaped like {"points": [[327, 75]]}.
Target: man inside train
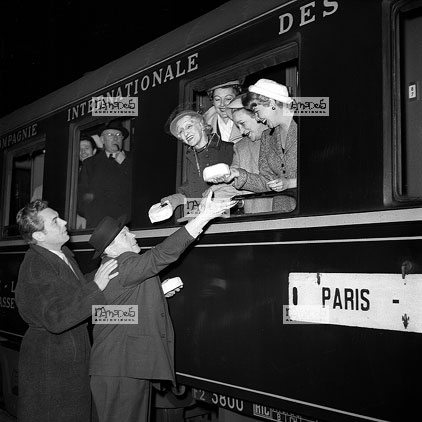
{"points": [[127, 358], [105, 180]]}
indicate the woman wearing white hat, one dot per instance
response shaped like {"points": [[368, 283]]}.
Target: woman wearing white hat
{"points": [[278, 154]]}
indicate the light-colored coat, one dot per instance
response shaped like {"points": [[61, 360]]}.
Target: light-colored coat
{"points": [[211, 117], [277, 158]]}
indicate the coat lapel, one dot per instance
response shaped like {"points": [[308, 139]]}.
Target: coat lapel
{"points": [[64, 271]]}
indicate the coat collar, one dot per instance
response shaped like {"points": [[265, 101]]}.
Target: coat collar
{"points": [[54, 259], [214, 142]]}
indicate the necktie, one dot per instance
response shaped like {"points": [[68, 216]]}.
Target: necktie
{"points": [[110, 157]]}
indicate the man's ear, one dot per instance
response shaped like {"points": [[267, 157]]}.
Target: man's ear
{"points": [[38, 236]]}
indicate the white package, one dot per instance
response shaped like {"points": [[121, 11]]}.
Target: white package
{"points": [[171, 284], [160, 212], [217, 170]]}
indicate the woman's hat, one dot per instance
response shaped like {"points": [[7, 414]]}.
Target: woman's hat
{"points": [[227, 84], [271, 89], [179, 116], [105, 232]]}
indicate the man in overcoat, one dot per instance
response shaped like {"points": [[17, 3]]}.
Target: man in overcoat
{"points": [[55, 300], [126, 359], [105, 180]]}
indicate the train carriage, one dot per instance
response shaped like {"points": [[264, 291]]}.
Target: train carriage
{"points": [[309, 315]]}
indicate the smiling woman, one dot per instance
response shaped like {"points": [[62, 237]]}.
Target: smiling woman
{"points": [[205, 148]]}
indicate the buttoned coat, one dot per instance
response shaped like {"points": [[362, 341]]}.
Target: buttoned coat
{"points": [[110, 185], [54, 357], [215, 152], [144, 350]]}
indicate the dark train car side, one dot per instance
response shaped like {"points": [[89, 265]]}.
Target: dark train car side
{"points": [[307, 315]]}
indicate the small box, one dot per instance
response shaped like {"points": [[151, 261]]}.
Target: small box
{"points": [[160, 212], [171, 284], [217, 170]]}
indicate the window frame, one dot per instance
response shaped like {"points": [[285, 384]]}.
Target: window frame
{"points": [[276, 57], [36, 144], [397, 110]]}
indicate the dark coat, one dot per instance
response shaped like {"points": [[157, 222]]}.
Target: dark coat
{"points": [[110, 183], [215, 152], [54, 355], [144, 350]]}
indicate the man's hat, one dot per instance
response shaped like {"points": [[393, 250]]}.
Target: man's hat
{"points": [[116, 125], [105, 232], [271, 89]]}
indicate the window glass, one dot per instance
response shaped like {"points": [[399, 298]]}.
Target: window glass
{"points": [[24, 181], [409, 150]]}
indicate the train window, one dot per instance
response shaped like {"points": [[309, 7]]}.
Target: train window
{"points": [[409, 84], [23, 177], [255, 196], [102, 173]]}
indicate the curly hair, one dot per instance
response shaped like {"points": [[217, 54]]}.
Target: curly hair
{"points": [[28, 220]]}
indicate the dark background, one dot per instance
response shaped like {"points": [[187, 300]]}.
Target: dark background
{"points": [[46, 44]]}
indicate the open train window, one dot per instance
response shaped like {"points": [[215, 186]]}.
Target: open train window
{"points": [[408, 159], [255, 198], [24, 171], [101, 172]]}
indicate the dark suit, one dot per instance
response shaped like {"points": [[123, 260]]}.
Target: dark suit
{"points": [[143, 351], [54, 355], [110, 183]]}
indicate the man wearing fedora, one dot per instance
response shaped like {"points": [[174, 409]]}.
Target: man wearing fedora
{"points": [[127, 358], [105, 180]]}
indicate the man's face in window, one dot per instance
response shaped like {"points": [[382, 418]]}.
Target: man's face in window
{"points": [[85, 150], [113, 140]]}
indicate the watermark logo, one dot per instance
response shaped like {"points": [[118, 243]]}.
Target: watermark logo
{"points": [[309, 106], [114, 314], [114, 106], [191, 206], [305, 314]]}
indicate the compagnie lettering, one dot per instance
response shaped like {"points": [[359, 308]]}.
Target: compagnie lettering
{"points": [[141, 84], [19, 136]]}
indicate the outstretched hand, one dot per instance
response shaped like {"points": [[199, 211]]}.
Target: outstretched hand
{"points": [[211, 208]]}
